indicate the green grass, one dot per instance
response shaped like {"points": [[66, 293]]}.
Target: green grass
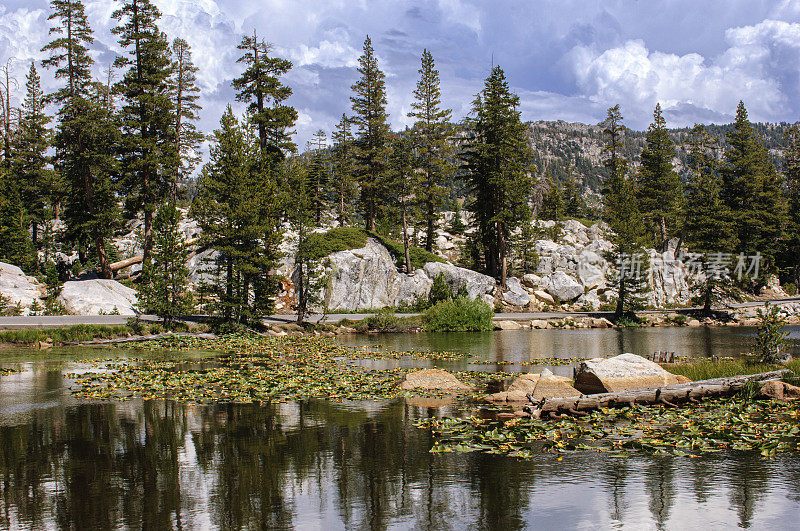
{"points": [[706, 369], [461, 314], [63, 335]]}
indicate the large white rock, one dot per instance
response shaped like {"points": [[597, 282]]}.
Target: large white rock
{"points": [[361, 279], [591, 276], [562, 287], [20, 289], [515, 294], [98, 296], [531, 280], [626, 371], [475, 283]]}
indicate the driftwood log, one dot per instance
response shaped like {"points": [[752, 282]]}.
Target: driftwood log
{"points": [[669, 395]]}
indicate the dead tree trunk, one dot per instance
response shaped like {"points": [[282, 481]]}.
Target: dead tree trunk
{"points": [[670, 395]]}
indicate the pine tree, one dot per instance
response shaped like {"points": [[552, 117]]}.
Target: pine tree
{"points": [[752, 190], [574, 205], [300, 213], [30, 160], [553, 205], [149, 158], [658, 186], [87, 134], [7, 81], [164, 287], [621, 212], [498, 168], [261, 88], [790, 255], [15, 245], [318, 174], [185, 94], [708, 227], [234, 207], [372, 145], [403, 181], [345, 187], [431, 134]]}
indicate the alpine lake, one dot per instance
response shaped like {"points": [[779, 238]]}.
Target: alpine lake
{"points": [[77, 452]]}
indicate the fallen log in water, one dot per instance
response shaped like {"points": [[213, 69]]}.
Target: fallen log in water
{"points": [[669, 395], [132, 339]]}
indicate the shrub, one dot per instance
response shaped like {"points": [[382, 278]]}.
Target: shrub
{"points": [[382, 321], [419, 257], [320, 244], [790, 288], [771, 334], [461, 314], [440, 290]]}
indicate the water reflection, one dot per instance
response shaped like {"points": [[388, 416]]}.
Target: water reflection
{"points": [[525, 345], [161, 465]]}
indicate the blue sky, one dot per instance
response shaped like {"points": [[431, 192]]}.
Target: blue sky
{"points": [[567, 59]]}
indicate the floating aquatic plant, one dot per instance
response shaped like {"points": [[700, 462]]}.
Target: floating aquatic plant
{"points": [[734, 424]]}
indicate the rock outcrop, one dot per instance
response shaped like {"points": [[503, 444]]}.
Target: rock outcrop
{"points": [[625, 371], [562, 287], [20, 290], [368, 278], [98, 296]]}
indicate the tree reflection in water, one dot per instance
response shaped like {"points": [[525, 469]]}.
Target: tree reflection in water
{"points": [[161, 465]]}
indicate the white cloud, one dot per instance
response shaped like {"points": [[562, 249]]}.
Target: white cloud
{"points": [[756, 67]]}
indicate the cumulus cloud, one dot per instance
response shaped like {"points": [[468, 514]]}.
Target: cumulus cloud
{"points": [[759, 66], [567, 59]]}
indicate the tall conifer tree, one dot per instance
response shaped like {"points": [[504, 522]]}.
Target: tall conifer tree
{"points": [[658, 185], [345, 187], [185, 94], [433, 150], [498, 163], [790, 255], [30, 160], [87, 134], [621, 212], [372, 146], [234, 209], [148, 147], [261, 88], [752, 190], [708, 229]]}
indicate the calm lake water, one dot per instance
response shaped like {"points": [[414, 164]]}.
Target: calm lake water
{"points": [[67, 463]]}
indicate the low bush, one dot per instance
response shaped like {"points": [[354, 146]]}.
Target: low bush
{"points": [[320, 244], [419, 257], [381, 321], [461, 314]]}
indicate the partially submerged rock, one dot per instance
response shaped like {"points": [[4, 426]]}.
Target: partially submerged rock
{"points": [[626, 371], [551, 386], [779, 391], [542, 385], [98, 296], [507, 325], [433, 379]]}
